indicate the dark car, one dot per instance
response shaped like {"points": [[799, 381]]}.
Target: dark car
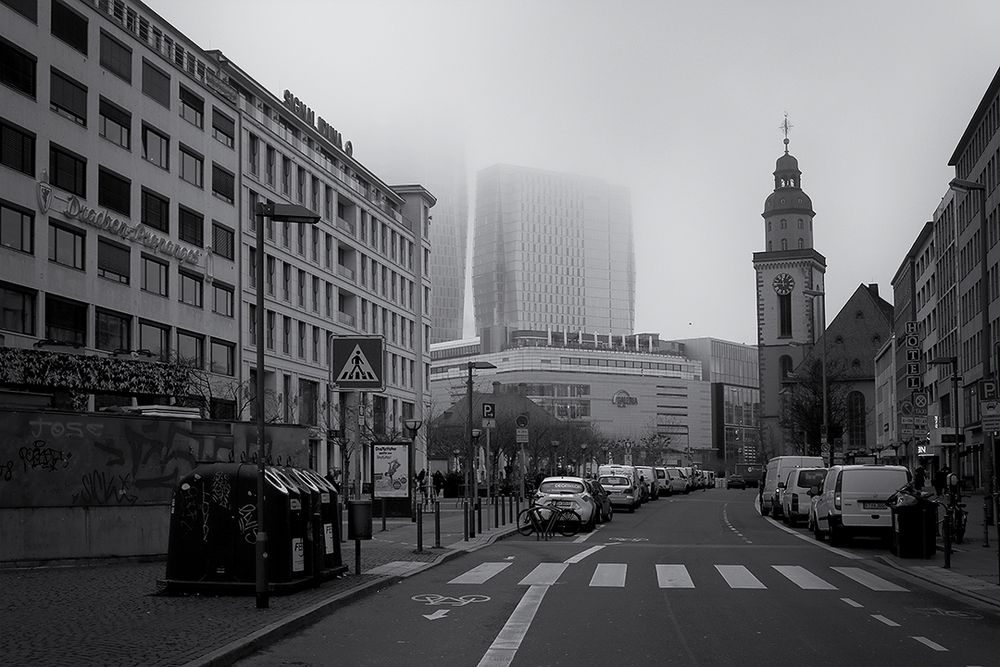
{"points": [[604, 510], [736, 482]]}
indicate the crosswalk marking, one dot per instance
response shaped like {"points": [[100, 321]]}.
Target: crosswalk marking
{"points": [[737, 576], [480, 573], [803, 578], [673, 576], [545, 574], [610, 575], [866, 578], [888, 621]]}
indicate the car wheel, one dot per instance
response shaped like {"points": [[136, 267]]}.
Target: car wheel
{"points": [[817, 533], [836, 536]]}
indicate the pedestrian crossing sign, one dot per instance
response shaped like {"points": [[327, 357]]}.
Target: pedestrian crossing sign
{"points": [[358, 363]]}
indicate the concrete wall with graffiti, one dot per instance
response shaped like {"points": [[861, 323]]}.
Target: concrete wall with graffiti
{"points": [[76, 485]]}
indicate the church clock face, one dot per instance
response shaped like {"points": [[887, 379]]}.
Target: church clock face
{"points": [[783, 283]]}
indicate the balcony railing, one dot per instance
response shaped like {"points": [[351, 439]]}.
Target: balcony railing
{"points": [[345, 226], [345, 318], [345, 272]]}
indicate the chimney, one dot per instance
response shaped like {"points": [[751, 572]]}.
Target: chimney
{"points": [[873, 289]]}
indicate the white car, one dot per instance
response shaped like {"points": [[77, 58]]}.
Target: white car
{"points": [[621, 491], [678, 481], [853, 501], [570, 493], [795, 498]]}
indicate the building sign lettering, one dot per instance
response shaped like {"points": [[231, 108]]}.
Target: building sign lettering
{"points": [[307, 115], [623, 399], [77, 210]]}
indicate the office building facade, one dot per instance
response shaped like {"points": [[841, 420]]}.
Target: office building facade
{"points": [[551, 251]]}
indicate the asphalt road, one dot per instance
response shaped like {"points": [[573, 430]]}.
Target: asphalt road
{"points": [[700, 579]]}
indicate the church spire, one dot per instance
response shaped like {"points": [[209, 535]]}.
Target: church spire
{"points": [[786, 126]]}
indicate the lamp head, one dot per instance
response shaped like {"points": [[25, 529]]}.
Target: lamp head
{"points": [[965, 185]]}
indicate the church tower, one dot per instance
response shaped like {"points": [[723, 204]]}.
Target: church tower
{"points": [[789, 277]]}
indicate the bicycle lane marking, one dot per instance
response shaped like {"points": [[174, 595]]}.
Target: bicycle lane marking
{"points": [[583, 554], [586, 536]]}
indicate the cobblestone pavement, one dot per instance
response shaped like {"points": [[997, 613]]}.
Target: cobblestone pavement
{"points": [[111, 613]]}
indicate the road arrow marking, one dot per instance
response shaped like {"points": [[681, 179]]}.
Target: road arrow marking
{"points": [[440, 613]]}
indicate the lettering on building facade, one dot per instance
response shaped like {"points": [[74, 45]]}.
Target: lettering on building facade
{"points": [[308, 116], [623, 399]]}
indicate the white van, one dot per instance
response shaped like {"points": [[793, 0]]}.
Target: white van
{"points": [[648, 475], [664, 480], [852, 501], [775, 474], [678, 482]]}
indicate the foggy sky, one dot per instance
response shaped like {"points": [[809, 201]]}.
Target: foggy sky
{"points": [[679, 101]]}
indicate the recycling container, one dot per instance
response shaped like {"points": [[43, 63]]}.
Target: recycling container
{"points": [[913, 530]]}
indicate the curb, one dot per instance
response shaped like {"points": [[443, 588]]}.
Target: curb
{"points": [[240, 648], [885, 560]]}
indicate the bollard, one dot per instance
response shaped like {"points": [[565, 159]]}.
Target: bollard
{"points": [[503, 511], [496, 512], [420, 528], [510, 503], [357, 557], [383, 513], [437, 524], [465, 520], [987, 518], [340, 521], [947, 537], [479, 515]]}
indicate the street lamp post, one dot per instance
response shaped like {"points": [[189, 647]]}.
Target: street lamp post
{"points": [[473, 486], [279, 213], [952, 363], [989, 463], [412, 427], [825, 428]]}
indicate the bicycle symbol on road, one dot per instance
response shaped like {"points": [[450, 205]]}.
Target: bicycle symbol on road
{"points": [[951, 613], [435, 599], [628, 539]]}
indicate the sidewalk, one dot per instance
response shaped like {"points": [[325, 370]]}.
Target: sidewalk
{"points": [[111, 614], [974, 568]]}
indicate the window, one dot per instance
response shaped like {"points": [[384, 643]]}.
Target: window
{"points": [[223, 183], [302, 340], [223, 355], [155, 211], [191, 167], [286, 175], [270, 165], [286, 279], [112, 331], [315, 344], [286, 334], [65, 320], [785, 315], [191, 227], [17, 309], [114, 191], [224, 131], [154, 276], [222, 299], [856, 418], [252, 315], [115, 124], [113, 261], [155, 338], [17, 148], [116, 57], [252, 266], [190, 349], [155, 147], [300, 184], [192, 107], [253, 153], [27, 8], [68, 97], [785, 364], [270, 275], [17, 228], [300, 239], [302, 288], [223, 240], [155, 83], [269, 342], [66, 245], [17, 68], [69, 26], [191, 288]]}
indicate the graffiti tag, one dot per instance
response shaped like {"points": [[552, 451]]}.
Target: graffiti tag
{"points": [[46, 458], [101, 488], [248, 523], [6, 470], [44, 428]]}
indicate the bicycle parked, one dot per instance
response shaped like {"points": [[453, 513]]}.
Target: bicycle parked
{"points": [[546, 519]]}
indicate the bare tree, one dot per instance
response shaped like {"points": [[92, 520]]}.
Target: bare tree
{"points": [[802, 406]]}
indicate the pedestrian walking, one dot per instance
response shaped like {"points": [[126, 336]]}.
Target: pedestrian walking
{"points": [[422, 485], [919, 476], [438, 480]]}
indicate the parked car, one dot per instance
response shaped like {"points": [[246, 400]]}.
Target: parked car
{"points": [[795, 498], [853, 501], [571, 493], [775, 474], [621, 490], [736, 482], [648, 475], [664, 480], [603, 503], [678, 481]]}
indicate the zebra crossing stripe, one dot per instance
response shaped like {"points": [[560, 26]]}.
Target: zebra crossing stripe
{"points": [[737, 576], [867, 579], [480, 573], [673, 576], [544, 574], [609, 575], [803, 578]]}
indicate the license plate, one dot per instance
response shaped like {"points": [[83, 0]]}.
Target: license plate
{"points": [[614, 492], [563, 503], [874, 506]]}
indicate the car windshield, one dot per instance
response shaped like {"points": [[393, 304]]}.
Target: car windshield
{"points": [[873, 480], [561, 486], [808, 478], [613, 481], [676, 472]]}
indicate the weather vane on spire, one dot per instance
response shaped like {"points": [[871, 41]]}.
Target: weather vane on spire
{"points": [[785, 127]]}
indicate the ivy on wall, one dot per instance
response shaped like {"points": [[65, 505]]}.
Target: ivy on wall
{"points": [[41, 369]]}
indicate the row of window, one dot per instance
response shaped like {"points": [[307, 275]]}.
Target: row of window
{"points": [[70, 321]]}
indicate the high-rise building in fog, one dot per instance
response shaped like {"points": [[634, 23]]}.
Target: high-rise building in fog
{"points": [[551, 251]]}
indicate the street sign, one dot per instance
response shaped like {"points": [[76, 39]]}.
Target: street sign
{"points": [[912, 355], [990, 411], [521, 421], [521, 436], [912, 340], [910, 327], [913, 382], [913, 368], [988, 390], [920, 403], [952, 438], [358, 363], [489, 415]]}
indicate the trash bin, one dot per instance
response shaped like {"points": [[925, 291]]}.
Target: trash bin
{"points": [[286, 526], [330, 519], [913, 530], [359, 519]]}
